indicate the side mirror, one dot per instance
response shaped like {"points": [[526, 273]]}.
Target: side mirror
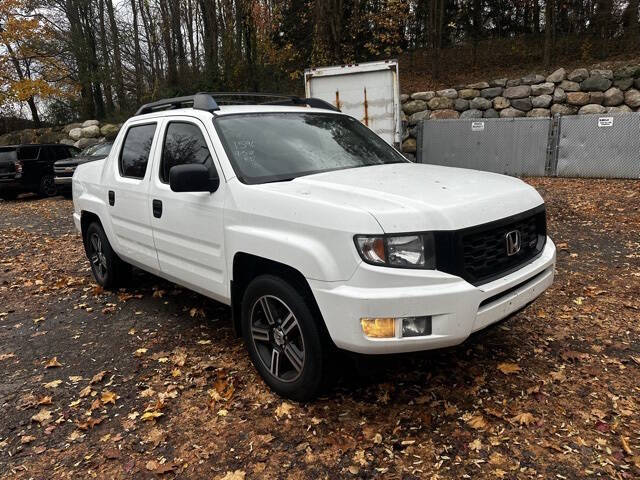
{"points": [[192, 178]]}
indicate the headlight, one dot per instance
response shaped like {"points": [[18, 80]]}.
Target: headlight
{"points": [[404, 251]]}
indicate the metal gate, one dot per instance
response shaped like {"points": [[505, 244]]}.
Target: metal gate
{"points": [[600, 146], [512, 146]]}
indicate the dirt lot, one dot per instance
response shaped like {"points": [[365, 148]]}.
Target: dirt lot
{"points": [[150, 381]]}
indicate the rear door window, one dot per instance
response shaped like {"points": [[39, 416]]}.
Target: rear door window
{"points": [[136, 148], [28, 153]]}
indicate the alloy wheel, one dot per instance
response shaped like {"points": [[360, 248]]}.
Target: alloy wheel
{"points": [[96, 256], [277, 337]]}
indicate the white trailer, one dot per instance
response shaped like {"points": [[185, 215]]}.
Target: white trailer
{"points": [[367, 91]]}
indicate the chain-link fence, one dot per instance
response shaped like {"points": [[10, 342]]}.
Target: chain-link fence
{"points": [[601, 146], [605, 146]]}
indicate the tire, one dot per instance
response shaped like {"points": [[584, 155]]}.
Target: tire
{"points": [[290, 336], [9, 195], [47, 186], [108, 269]]}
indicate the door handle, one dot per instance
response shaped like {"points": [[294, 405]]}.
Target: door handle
{"points": [[112, 198], [157, 208]]}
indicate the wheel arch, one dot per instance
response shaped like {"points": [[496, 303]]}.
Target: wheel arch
{"points": [[86, 219], [247, 266]]}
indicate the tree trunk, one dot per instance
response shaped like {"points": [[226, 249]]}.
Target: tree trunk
{"points": [[137, 57], [106, 77], [21, 76], [548, 32], [78, 46], [630, 22], [209, 9], [115, 39], [172, 67]]}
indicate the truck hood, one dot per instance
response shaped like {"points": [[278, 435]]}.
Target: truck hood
{"points": [[75, 161], [409, 197]]}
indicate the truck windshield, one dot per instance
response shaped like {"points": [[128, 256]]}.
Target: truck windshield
{"points": [[273, 147]]}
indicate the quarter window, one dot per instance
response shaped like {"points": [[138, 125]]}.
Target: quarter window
{"points": [[135, 150], [183, 144]]}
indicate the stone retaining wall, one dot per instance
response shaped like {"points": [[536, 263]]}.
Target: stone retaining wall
{"points": [[580, 91], [81, 135]]}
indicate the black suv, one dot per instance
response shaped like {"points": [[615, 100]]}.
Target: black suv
{"points": [[29, 168]]}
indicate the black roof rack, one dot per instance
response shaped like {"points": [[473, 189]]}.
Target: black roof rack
{"points": [[209, 101], [198, 101]]}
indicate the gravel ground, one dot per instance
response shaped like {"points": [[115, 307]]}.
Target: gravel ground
{"points": [[151, 382]]}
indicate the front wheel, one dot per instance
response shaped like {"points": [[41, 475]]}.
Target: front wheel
{"points": [[47, 186], [283, 338], [108, 269]]}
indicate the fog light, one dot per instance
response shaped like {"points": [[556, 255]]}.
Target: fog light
{"points": [[416, 326], [379, 327]]}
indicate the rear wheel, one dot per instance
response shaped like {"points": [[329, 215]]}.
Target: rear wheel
{"points": [[108, 269], [47, 186], [283, 338]]}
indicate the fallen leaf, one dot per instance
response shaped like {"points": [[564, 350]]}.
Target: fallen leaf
{"points": [[139, 352], [95, 405], [625, 445], [98, 377], [235, 475], [284, 409], [179, 359], [477, 421], [46, 400], [508, 368], [111, 453], [165, 468], [152, 415], [90, 423], [6, 356], [27, 439], [524, 418], [53, 363], [39, 449], [85, 391], [151, 465], [108, 397], [53, 384], [476, 445], [43, 417]]}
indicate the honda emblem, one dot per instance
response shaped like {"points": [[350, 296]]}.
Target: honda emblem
{"points": [[513, 242]]}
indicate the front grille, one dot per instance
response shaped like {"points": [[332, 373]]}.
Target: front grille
{"points": [[479, 254], [485, 252]]}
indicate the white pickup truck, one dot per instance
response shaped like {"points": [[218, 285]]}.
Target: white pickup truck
{"points": [[314, 230]]}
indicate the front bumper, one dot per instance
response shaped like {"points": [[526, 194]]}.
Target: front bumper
{"points": [[457, 308], [63, 181]]}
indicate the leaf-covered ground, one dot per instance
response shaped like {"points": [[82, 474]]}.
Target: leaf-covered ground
{"points": [[151, 382]]}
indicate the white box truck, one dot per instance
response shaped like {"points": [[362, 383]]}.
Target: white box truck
{"points": [[369, 92]]}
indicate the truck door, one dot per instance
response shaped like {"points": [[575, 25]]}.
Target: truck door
{"points": [[187, 226], [128, 196]]}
